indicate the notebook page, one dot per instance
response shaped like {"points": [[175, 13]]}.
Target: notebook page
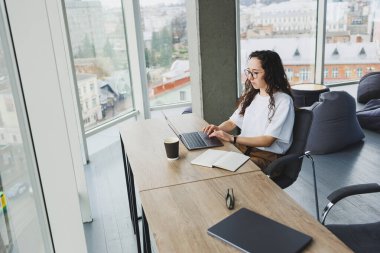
{"points": [[231, 161], [209, 157]]}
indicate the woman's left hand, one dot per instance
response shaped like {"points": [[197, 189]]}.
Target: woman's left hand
{"points": [[221, 135]]}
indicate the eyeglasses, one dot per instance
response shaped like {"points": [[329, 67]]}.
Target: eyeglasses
{"points": [[253, 74], [230, 199]]}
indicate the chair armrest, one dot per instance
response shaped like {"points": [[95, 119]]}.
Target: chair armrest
{"points": [[341, 193], [345, 192], [279, 164]]}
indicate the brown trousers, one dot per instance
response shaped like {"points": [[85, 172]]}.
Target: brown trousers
{"points": [[260, 157]]}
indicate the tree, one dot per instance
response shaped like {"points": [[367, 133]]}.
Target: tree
{"points": [[166, 50], [87, 50], [179, 28], [148, 57], [79, 53], [108, 49], [156, 42], [162, 49]]}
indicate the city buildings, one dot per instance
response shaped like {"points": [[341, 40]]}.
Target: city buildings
{"points": [[89, 98]]}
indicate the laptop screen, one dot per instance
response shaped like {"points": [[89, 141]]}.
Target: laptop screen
{"points": [[171, 125]]}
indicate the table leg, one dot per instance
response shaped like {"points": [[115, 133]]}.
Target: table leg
{"points": [[146, 237], [126, 171], [131, 197], [134, 208]]}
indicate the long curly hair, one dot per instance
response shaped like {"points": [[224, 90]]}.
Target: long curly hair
{"points": [[274, 76]]}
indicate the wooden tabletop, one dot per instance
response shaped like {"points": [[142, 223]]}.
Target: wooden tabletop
{"points": [[144, 146], [308, 86], [179, 216]]}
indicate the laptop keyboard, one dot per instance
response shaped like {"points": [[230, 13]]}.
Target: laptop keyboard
{"points": [[194, 140]]}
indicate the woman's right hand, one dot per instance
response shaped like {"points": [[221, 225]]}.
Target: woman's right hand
{"points": [[210, 129]]}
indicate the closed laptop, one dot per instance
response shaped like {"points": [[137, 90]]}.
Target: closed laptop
{"points": [[252, 232]]}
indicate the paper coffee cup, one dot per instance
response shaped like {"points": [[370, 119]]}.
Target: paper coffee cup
{"points": [[172, 148]]}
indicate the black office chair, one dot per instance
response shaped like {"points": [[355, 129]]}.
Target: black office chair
{"points": [[359, 237], [289, 165]]}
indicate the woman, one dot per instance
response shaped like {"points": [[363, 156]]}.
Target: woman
{"points": [[265, 114]]}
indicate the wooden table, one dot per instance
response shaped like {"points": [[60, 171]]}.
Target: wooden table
{"points": [[181, 201], [147, 167], [179, 216], [144, 147]]}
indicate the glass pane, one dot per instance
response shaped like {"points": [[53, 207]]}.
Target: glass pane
{"points": [[98, 43], [352, 40], [287, 27], [164, 28], [23, 222]]}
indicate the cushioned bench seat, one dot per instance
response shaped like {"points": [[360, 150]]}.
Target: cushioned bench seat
{"points": [[369, 116], [369, 87], [335, 125]]}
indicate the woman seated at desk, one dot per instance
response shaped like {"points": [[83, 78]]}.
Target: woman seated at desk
{"points": [[265, 113]]}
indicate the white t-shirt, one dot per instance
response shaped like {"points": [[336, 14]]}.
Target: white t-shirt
{"points": [[255, 121]]}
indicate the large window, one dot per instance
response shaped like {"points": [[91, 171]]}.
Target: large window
{"points": [[287, 27], [335, 73], [98, 42], [352, 39], [23, 221], [359, 72], [347, 73], [166, 51]]}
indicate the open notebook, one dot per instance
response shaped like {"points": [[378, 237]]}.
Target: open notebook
{"points": [[227, 160]]}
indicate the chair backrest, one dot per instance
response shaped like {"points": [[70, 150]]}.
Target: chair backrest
{"points": [[302, 123], [292, 167]]}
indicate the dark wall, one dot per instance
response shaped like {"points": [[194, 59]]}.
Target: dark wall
{"points": [[217, 25]]}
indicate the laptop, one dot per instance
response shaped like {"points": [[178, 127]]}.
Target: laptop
{"points": [[252, 232], [194, 140]]}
